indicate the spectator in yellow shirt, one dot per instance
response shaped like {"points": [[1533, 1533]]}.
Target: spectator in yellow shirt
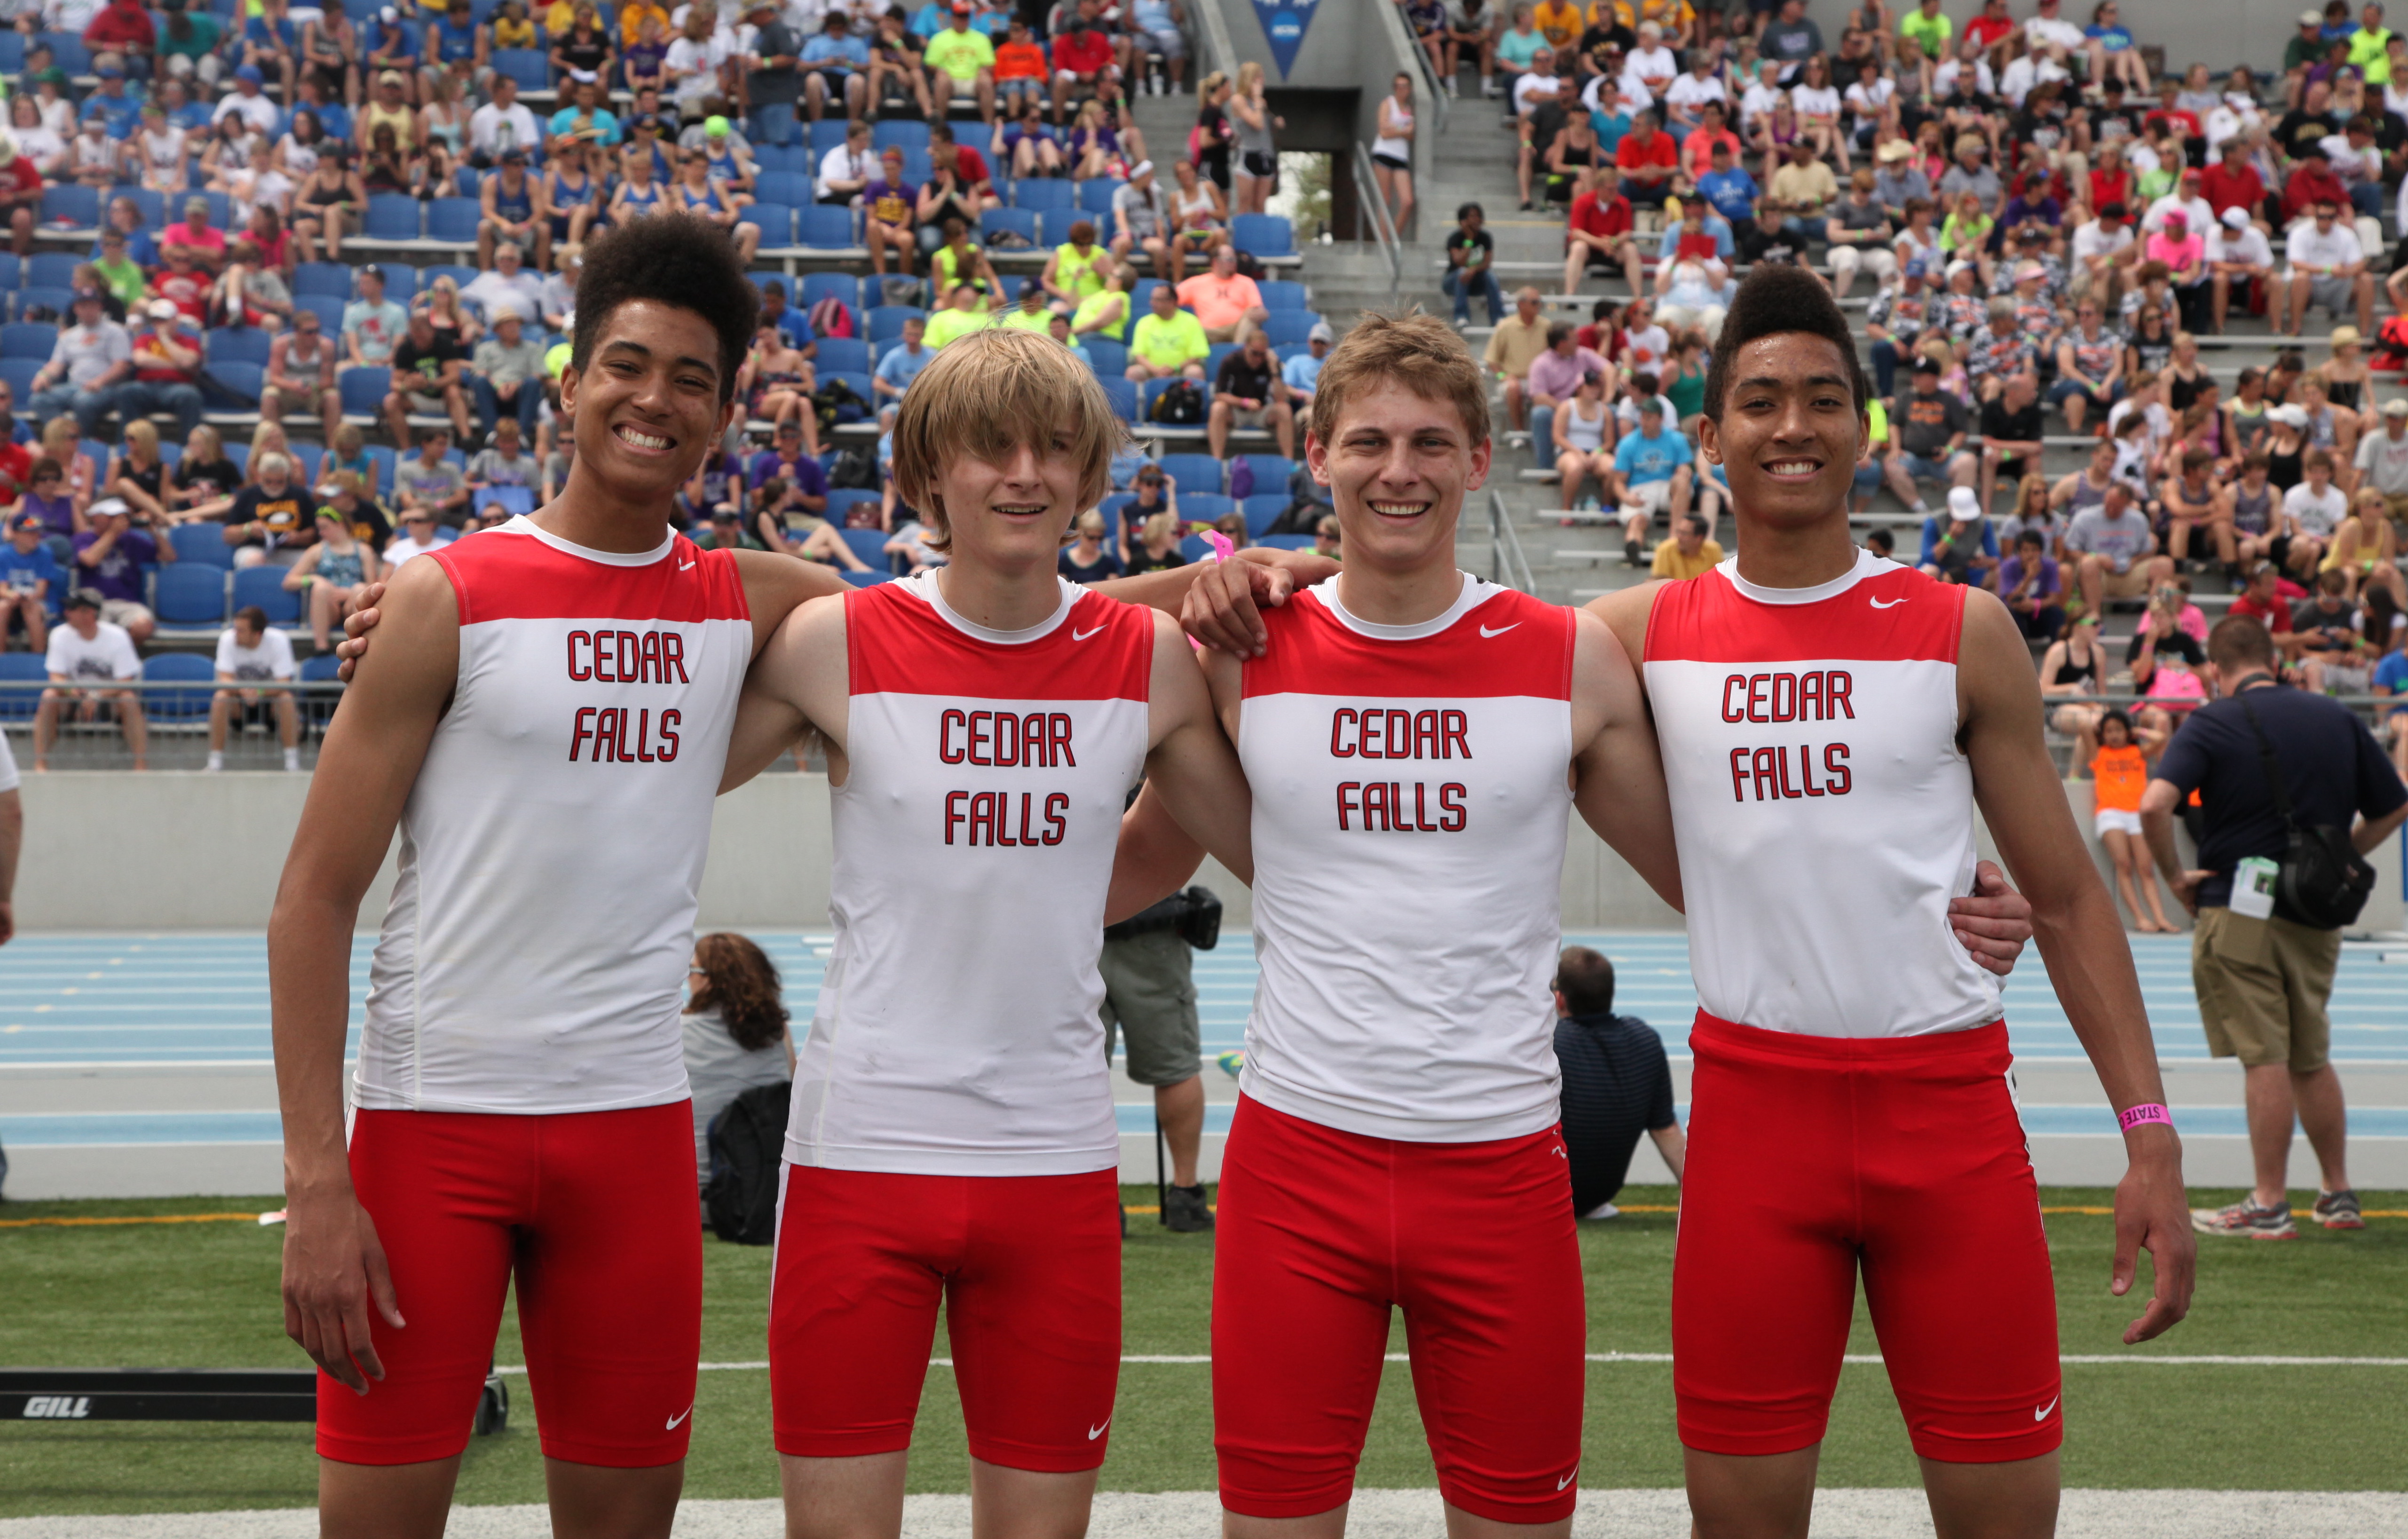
{"points": [[632, 19], [1558, 21], [1513, 347], [1170, 341], [1691, 552], [962, 314]]}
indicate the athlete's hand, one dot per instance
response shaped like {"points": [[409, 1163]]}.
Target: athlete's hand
{"points": [[1994, 922], [356, 625], [1224, 604], [2152, 1214], [334, 1268]]}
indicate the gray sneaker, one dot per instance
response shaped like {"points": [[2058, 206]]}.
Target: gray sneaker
{"points": [[2246, 1219], [2338, 1211], [1185, 1211]]}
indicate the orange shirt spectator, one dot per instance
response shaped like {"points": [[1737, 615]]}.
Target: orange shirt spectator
{"points": [[1559, 21], [632, 18], [1220, 302], [1698, 151], [1019, 62]]}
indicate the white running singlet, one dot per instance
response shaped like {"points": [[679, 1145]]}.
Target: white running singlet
{"points": [[1412, 786], [958, 1030], [534, 953], [1823, 811]]}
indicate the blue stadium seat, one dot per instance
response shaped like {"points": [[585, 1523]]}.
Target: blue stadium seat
{"points": [[1205, 507], [468, 179], [230, 345], [153, 206], [68, 52], [177, 668], [326, 308], [1096, 197], [780, 157], [19, 374], [1263, 234], [194, 593], [1286, 326], [1281, 294], [885, 321], [824, 227], [265, 586], [826, 134], [12, 53], [363, 390], [1262, 511], [868, 545], [1120, 392], [529, 66], [846, 354], [1195, 549], [1109, 359], [868, 580], [1287, 542], [826, 285], [858, 378], [220, 209], [453, 220], [391, 216], [1043, 193], [58, 302], [791, 188], [1192, 473], [21, 668], [200, 545], [230, 395], [1142, 298], [776, 221], [52, 269], [319, 669], [241, 455], [71, 206], [11, 270], [1270, 470], [459, 274], [35, 339], [381, 461], [1212, 359], [909, 133], [841, 500], [1023, 222], [331, 279]]}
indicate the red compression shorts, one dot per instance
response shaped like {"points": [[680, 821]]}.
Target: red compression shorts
{"points": [[1028, 1268], [1810, 1155], [1321, 1233], [596, 1216]]}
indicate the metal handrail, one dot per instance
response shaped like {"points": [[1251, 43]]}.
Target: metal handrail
{"points": [[1392, 25], [1507, 566], [1366, 195], [1212, 38]]}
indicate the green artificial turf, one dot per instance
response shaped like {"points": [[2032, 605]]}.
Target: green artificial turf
{"points": [[205, 1295]]}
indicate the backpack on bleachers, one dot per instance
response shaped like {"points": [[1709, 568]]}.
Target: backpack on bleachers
{"points": [[853, 469], [838, 403], [747, 1142], [1182, 405], [830, 318]]}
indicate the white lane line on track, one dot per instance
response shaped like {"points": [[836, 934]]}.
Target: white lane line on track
{"points": [[2194, 1361]]}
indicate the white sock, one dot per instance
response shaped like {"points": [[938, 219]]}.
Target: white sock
{"points": [[293, 758], [217, 761], [1919, 507]]}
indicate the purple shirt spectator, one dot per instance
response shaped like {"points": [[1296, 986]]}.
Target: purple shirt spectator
{"points": [[118, 574]]}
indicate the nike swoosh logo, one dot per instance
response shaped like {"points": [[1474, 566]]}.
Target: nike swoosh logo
{"points": [[2041, 1414], [1078, 635], [680, 1417], [1094, 1432], [1879, 605], [686, 565], [1567, 1480], [1499, 630]]}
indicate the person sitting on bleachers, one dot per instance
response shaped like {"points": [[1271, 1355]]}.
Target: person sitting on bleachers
{"points": [[253, 656], [90, 359], [417, 538], [331, 573], [430, 481], [109, 560], [1167, 343], [82, 653], [1225, 301], [889, 216], [31, 581], [509, 284]]}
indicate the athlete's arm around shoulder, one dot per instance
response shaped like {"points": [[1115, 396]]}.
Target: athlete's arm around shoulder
{"points": [[776, 584], [333, 1263], [800, 681], [2080, 940], [1617, 767]]}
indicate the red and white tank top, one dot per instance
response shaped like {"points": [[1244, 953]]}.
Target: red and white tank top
{"points": [[1823, 811], [534, 953], [958, 1030], [1412, 785]]}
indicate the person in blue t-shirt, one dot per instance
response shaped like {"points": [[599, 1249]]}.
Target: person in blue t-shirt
{"points": [[2391, 681], [1650, 477], [1731, 191], [30, 583], [1302, 373], [902, 364]]}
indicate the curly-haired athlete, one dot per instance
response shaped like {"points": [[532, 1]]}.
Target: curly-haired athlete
{"points": [[546, 716]]}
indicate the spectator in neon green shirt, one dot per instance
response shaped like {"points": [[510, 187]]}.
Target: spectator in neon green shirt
{"points": [[2370, 47], [1031, 313], [961, 316], [1928, 27], [1170, 341], [961, 61]]}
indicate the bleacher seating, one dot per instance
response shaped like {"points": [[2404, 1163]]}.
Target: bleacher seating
{"points": [[177, 666]]}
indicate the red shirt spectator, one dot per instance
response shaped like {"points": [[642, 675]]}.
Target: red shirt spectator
{"points": [[970, 166], [1610, 217], [20, 179], [1698, 150], [1631, 155], [1084, 51], [124, 27], [1990, 31], [206, 239], [188, 289], [2313, 182], [2108, 187], [2275, 615], [2232, 185]]}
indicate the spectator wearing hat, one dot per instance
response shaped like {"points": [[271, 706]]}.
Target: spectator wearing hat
{"points": [[392, 48], [507, 374], [166, 360], [835, 67], [1141, 224], [960, 62], [31, 581], [514, 209], [585, 118], [770, 69], [2183, 252], [83, 657], [1928, 428], [1897, 178], [253, 657], [2324, 266], [1302, 373], [1962, 547], [195, 237], [87, 362], [2382, 460], [506, 285], [2238, 256], [246, 101], [109, 102]]}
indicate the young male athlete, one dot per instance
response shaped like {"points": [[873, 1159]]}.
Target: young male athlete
{"points": [[1417, 740], [952, 1140], [1829, 721], [547, 722]]}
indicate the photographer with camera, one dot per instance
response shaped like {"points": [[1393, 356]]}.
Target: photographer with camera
{"points": [[1149, 968], [2294, 794]]}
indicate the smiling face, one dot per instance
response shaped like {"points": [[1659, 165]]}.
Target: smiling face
{"points": [[1398, 467], [1789, 430], [646, 404]]}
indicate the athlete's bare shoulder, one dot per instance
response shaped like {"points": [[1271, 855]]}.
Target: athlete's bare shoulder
{"points": [[775, 584], [1624, 611]]}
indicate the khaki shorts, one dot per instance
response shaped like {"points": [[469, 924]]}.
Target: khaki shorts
{"points": [[125, 612], [2263, 984], [2396, 504], [1249, 416], [1150, 996], [2132, 583]]}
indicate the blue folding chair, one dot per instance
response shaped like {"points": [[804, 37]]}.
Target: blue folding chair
{"points": [[1120, 392], [1044, 194], [791, 188], [1281, 294], [1021, 222], [528, 66], [265, 586], [909, 134], [331, 280], [1287, 327], [1108, 358], [868, 545], [227, 345], [1262, 511], [824, 227], [27, 668], [1263, 234], [35, 339], [847, 355], [199, 545], [830, 285], [1192, 474], [1269, 470], [193, 592], [179, 667], [391, 216], [1096, 197], [453, 220], [52, 269], [885, 321], [363, 388], [69, 206]]}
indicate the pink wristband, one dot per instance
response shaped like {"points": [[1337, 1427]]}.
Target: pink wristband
{"points": [[2135, 1117]]}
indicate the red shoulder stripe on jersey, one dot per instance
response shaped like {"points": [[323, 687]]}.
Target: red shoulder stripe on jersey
{"points": [[1898, 617], [1512, 644], [500, 576], [896, 643]]}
